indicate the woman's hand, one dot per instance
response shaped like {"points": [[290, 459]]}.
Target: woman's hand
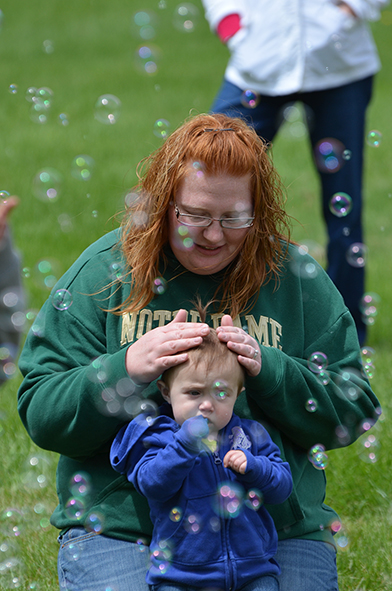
{"points": [[163, 347], [240, 342]]}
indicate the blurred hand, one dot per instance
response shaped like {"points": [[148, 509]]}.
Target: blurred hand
{"points": [[163, 347], [6, 207], [240, 342], [236, 460], [346, 8]]}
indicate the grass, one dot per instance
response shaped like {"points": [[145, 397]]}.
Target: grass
{"points": [[93, 54]]}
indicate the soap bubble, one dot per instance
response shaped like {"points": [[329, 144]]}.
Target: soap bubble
{"points": [[317, 362], [75, 508], [37, 471], [186, 17], [107, 109], [192, 524], [356, 254], [374, 138], [63, 119], [323, 377], [349, 383], [12, 522], [62, 299], [47, 184], [159, 285], [46, 273], [4, 195], [340, 536], [41, 101], [250, 99], [347, 155], [73, 551], [161, 556], [144, 24], [94, 522], [65, 222], [229, 500], [317, 456], [254, 499], [311, 405], [301, 265], [147, 58], [328, 155], [80, 484], [47, 46], [369, 306], [13, 88], [368, 354], [340, 204], [31, 92], [369, 448], [161, 128], [291, 115], [175, 514], [82, 167]]}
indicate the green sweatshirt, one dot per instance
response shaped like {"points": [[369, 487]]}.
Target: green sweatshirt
{"points": [[76, 393]]}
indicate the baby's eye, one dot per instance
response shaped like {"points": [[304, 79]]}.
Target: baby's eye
{"points": [[194, 392], [220, 394]]}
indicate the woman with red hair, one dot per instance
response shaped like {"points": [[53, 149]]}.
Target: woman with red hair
{"points": [[206, 221]]}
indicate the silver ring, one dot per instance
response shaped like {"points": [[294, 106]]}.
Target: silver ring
{"points": [[255, 354]]}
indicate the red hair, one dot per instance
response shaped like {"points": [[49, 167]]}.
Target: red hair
{"points": [[222, 145]]}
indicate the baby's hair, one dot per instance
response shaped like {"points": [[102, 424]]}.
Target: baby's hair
{"points": [[210, 352]]}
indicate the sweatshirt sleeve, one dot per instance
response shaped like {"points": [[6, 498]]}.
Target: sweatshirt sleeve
{"points": [[156, 460], [265, 470], [342, 398], [216, 10], [69, 370]]}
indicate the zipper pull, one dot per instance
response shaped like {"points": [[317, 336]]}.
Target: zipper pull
{"points": [[217, 459]]}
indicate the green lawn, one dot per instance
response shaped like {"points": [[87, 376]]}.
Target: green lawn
{"points": [[82, 50]]}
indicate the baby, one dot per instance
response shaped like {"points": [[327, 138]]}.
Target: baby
{"points": [[204, 472]]}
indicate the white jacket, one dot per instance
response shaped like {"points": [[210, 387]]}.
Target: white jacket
{"points": [[285, 46]]}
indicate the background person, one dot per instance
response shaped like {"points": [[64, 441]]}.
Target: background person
{"points": [[322, 54], [209, 220], [12, 300], [181, 460]]}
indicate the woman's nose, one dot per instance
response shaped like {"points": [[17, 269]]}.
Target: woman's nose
{"points": [[214, 232]]}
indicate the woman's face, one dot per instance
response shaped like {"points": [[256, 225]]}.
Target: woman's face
{"points": [[207, 250]]}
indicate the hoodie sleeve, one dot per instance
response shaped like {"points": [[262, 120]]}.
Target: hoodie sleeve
{"points": [[265, 469], [157, 459]]}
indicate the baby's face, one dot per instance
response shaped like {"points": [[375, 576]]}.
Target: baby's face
{"points": [[210, 393]]}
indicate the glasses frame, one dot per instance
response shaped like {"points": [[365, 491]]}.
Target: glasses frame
{"points": [[209, 220]]}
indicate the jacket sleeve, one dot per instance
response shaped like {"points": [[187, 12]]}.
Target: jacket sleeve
{"points": [[367, 9], [69, 373], [216, 10], [156, 460], [265, 470], [343, 400]]}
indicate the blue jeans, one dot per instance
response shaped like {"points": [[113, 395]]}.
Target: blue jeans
{"points": [[268, 583], [92, 562], [332, 113]]}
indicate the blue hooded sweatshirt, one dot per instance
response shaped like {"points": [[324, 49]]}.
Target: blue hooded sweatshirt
{"points": [[209, 529]]}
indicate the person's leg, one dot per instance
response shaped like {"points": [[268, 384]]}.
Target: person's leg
{"points": [[307, 565], [264, 117], [339, 113], [91, 562], [267, 583]]}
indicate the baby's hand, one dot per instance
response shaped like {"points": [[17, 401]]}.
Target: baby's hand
{"points": [[236, 460]]}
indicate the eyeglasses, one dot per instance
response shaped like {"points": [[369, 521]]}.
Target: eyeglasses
{"points": [[200, 221]]}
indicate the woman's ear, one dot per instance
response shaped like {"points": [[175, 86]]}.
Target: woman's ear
{"points": [[164, 390]]}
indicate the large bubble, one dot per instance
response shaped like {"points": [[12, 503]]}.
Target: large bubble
{"points": [[328, 155], [107, 109], [186, 17], [147, 59], [47, 184], [82, 167]]}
